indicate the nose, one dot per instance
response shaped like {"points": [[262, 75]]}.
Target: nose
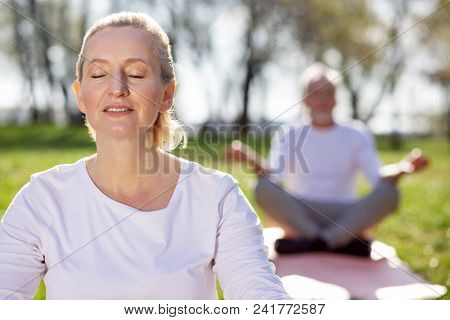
{"points": [[118, 86]]}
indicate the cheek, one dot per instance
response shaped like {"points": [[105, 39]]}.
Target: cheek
{"points": [[148, 94], [90, 97], [313, 102], [144, 91]]}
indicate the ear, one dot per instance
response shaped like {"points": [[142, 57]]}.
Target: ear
{"points": [[80, 104], [168, 96]]}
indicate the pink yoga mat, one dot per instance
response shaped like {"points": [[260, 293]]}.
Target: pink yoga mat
{"points": [[336, 276]]}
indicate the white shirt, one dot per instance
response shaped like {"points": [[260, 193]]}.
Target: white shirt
{"points": [[89, 246], [321, 163]]}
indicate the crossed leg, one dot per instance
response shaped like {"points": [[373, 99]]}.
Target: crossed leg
{"points": [[335, 223]]}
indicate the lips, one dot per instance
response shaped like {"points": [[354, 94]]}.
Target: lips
{"points": [[118, 108]]}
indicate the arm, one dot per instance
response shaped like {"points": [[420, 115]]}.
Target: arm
{"points": [[239, 151], [368, 161], [277, 161], [241, 260], [21, 259], [413, 162]]}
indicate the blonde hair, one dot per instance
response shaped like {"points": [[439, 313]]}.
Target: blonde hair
{"points": [[168, 132]]}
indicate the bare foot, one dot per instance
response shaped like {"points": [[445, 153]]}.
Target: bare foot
{"points": [[414, 161]]}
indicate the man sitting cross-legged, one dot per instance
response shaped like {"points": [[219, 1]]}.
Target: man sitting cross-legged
{"points": [[308, 183]]}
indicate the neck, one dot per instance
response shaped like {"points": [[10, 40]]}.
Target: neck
{"points": [[322, 122], [126, 164]]}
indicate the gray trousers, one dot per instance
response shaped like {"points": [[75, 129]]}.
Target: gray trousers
{"points": [[336, 223]]}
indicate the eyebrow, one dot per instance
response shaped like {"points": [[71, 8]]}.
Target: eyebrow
{"points": [[127, 61]]}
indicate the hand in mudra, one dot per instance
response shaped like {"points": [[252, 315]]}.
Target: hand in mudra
{"points": [[237, 151], [414, 161]]}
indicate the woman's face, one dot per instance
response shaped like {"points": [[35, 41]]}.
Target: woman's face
{"points": [[121, 89]]}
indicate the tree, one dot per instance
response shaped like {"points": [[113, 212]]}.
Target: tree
{"points": [[44, 47], [264, 20], [435, 35], [349, 28], [47, 36]]}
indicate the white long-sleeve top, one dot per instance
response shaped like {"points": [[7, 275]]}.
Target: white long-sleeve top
{"points": [[85, 245], [321, 164]]}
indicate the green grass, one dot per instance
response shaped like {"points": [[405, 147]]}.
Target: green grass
{"points": [[419, 230]]}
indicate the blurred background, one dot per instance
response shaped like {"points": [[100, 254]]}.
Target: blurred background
{"points": [[238, 64]]}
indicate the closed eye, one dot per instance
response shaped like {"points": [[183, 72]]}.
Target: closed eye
{"points": [[97, 76], [136, 76]]}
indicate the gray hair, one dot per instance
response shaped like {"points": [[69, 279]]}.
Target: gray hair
{"points": [[317, 71]]}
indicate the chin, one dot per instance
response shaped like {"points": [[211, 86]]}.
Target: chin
{"points": [[119, 133]]}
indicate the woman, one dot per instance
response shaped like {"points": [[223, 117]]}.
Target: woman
{"points": [[132, 221]]}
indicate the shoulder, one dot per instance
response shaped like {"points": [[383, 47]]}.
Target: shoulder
{"points": [[290, 130], [36, 202], [294, 127], [57, 175], [207, 180], [358, 130], [355, 126], [42, 193]]}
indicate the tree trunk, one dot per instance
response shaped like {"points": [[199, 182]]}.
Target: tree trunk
{"points": [[354, 104], [25, 61], [243, 119]]}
